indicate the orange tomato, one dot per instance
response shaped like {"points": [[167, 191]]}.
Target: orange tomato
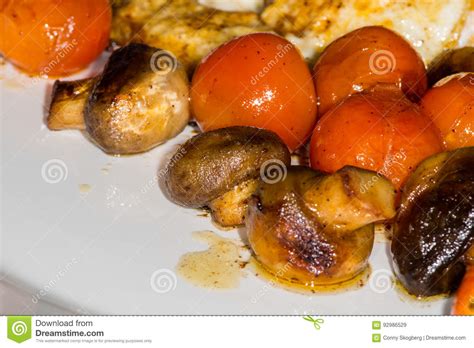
{"points": [[464, 301], [381, 131], [256, 80], [451, 107], [361, 59], [53, 37]]}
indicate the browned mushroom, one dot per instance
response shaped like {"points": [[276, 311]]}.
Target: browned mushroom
{"points": [[316, 229], [435, 224], [220, 169], [137, 102]]}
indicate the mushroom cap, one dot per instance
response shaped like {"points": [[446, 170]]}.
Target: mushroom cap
{"points": [[212, 163], [134, 105], [434, 230]]}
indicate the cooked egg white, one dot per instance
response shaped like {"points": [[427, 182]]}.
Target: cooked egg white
{"points": [[190, 29], [234, 5], [430, 26]]}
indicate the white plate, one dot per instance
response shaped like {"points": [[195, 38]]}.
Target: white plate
{"points": [[96, 252]]}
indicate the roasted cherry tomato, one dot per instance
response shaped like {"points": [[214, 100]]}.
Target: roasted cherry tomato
{"points": [[53, 37], [464, 301], [363, 58], [450, 104], [381, 131], [256, 80]]}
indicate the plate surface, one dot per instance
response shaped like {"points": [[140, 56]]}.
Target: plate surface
{"points": [[90, 233]]}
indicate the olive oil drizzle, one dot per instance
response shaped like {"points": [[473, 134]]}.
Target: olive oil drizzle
{"points": [[218, 267]]}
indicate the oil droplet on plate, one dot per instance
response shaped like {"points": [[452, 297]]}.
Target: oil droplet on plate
{"points": [[12, 83], [105, 170], [84, 188], [218, 267]]}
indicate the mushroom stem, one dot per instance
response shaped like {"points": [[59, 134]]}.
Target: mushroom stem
{"points": [[229, 209], [68, 103]]}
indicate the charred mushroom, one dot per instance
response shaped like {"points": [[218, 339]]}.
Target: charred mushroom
{"points": [[220, 169], [435, 224], [139, 101], [316, 229]]}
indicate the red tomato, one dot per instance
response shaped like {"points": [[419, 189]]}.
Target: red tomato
{"points": [[451, 107], [54, 37], [363, 58], [464, 300], [381, 131], [256, 80]]}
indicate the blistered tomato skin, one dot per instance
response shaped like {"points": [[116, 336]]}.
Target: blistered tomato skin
{"points": [[54, 37], [380, 131], [451, 107], [258, 80], [361, 59]]}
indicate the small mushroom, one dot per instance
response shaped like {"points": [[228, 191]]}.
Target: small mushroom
{"points": [[315, 229], [220, 170], [434, 229], [139, 101]]}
